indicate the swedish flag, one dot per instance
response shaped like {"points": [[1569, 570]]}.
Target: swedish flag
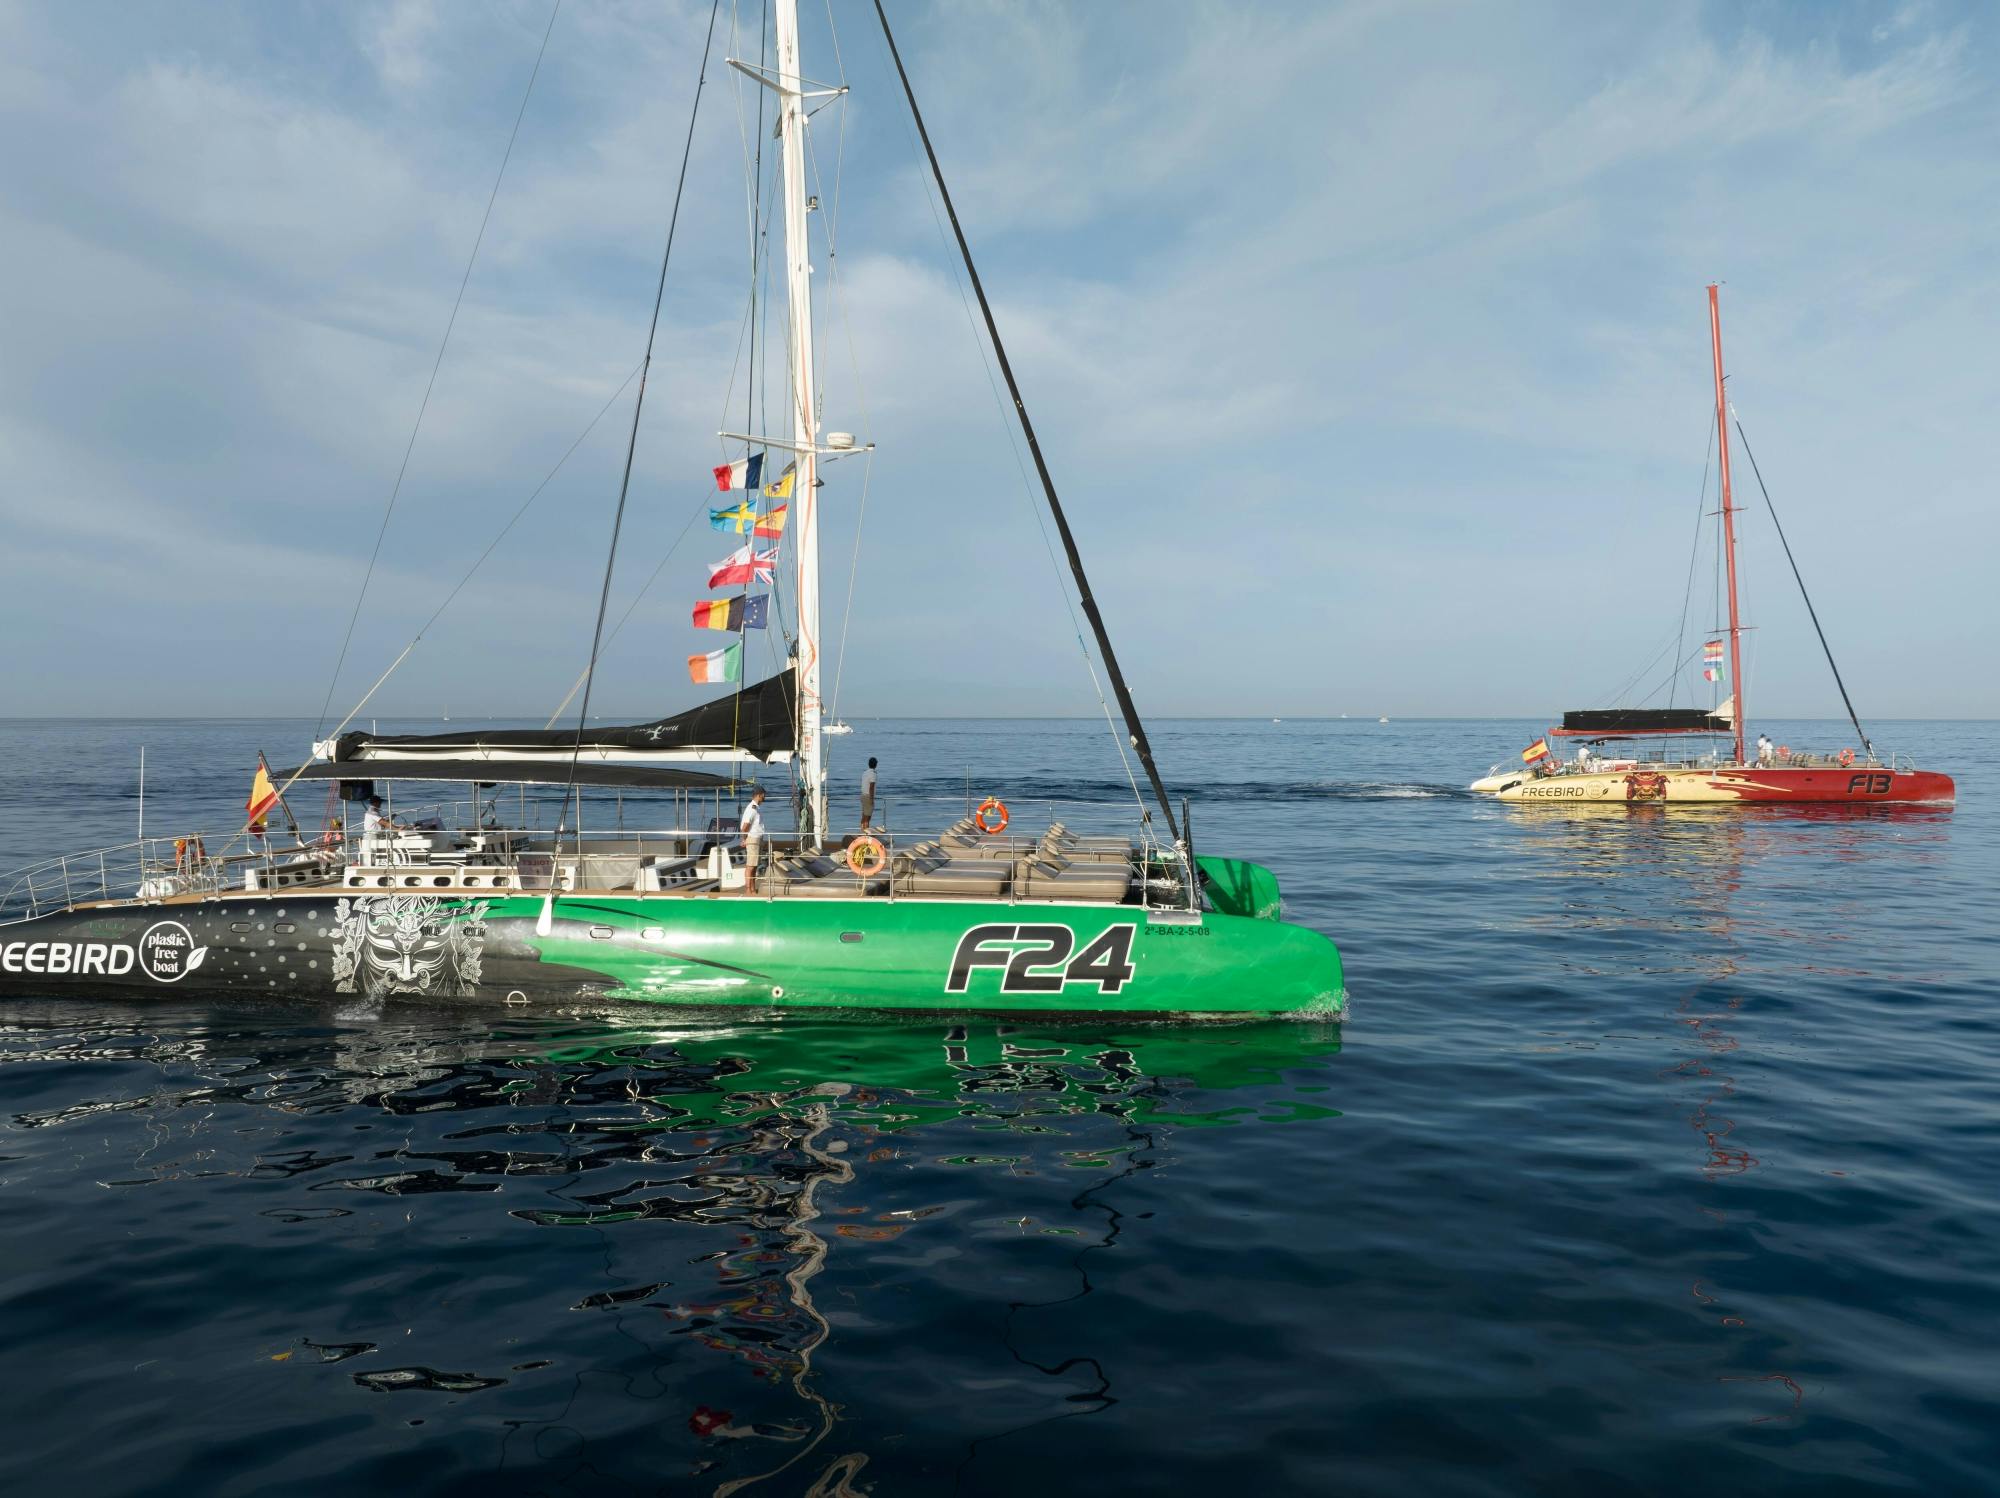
{"points": [[740, 518]]}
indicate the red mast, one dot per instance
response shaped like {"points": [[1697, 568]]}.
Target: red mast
{"points": [[1728, 518]]}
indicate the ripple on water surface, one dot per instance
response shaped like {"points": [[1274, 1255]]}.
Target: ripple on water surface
{"points": [[1659, 1156]]}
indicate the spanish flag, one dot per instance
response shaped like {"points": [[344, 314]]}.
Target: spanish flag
{"points": [[1537, 750], [782, 488], [263, 796], [732, 614], [771, 526]]}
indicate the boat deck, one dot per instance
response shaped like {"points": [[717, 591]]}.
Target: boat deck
{"points": [[960, 863]]}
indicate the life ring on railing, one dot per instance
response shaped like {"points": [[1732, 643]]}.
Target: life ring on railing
{"points": [[1846, 758], [1785, 753], [991, 816], [866, 855]]}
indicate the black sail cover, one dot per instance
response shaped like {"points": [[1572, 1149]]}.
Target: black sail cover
{"points": [[760, 720], [1626, 720]]}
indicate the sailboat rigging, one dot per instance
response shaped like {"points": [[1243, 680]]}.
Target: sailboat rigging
{"points": [[464, 903]]}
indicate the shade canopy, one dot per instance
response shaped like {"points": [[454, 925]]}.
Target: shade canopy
{"points": [[759, 722], [1637, 722], [516, 772]]}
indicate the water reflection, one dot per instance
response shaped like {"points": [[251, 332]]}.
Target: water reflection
{"points": [[1755, 920], [683, 1201]]}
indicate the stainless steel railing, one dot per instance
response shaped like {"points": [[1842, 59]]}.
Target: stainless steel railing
{"points": [[157, 868]]}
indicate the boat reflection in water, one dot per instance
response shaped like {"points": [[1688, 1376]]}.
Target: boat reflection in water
{"points": [[638, 1249]]}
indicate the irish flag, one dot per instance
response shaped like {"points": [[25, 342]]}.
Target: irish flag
{"points": [[743, 567], [744, 473], [725, 664]]}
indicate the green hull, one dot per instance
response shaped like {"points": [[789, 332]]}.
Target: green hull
{"points": [[725, 952]]}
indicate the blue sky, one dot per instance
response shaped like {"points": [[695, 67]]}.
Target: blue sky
{"points": [[1367, 342]]}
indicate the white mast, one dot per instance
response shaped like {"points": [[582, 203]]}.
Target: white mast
{"points": [[805, 412]]}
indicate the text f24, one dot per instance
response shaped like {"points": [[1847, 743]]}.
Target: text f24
{"points": [[1037, 959]]}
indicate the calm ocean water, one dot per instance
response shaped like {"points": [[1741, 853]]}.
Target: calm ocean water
{"points": [[1660, 1154]]}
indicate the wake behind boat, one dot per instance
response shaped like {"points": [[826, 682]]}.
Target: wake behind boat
{"points": [[1654, 772], [477, 900]]}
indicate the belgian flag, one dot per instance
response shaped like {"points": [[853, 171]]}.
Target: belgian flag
{"points": [[732, 614]]}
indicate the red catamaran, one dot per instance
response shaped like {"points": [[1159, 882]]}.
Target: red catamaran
{"points": [[1772, 774]]}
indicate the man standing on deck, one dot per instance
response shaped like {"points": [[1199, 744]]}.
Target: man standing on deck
{"points": [[1766, 753], [752, 828], [868, 794]]}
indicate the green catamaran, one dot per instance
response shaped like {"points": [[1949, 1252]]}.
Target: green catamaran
{"points": [[977, 917]]}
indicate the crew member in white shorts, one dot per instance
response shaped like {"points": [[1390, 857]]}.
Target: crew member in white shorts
{"points": [[752, 828]]}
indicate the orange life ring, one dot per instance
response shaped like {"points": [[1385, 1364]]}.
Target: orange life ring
{"points": [[998, 822], [1784, 751], [1846, 758], [866, 855]]}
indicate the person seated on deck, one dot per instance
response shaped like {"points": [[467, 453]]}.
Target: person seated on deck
{"points": [[375, 819], [752, 828]]}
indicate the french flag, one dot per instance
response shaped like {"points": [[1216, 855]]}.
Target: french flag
{"points": [[744, 473]]}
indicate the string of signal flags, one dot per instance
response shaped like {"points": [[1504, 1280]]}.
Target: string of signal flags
{"points": [[745, 567]]}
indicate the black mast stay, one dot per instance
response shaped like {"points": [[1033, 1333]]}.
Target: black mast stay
{"points": [[1810, 610], [1134, 728]]}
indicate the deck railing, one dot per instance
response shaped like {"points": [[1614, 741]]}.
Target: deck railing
{"points": [[162, 867], [146, 867]]}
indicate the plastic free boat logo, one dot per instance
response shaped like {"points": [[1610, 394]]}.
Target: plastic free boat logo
{"points": [[167, 952], [1037, 958]]}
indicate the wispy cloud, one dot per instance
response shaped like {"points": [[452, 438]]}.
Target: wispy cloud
{"points": [[1388, 317]]}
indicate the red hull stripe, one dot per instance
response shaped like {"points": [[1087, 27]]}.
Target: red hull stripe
{"points": [[1857, 784]]}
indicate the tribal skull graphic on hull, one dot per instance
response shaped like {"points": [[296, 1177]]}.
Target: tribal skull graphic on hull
{"points": [[1646, 785], [387, 944]]}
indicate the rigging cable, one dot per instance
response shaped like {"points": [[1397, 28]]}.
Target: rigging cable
{"points": [[756, 195], [1136, 730], [444, 343], [1810, 610], [542, 924], [1694, 553], [838, 298], [491, 546]]}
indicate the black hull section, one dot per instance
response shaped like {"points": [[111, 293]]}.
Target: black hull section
{"points": [[303, 947]]}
